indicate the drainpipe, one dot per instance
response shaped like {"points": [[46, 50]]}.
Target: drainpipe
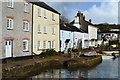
{"points": [[32, 33]]}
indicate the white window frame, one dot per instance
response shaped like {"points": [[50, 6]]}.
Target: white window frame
{"points": [[44, 44], [26, 45], [26, 7], [53, 17], [53, 44], [45, 30], [45, 15], [10, 3], [39, 28], [25, 25], [39, 12], [39, 45], [53, 30], [9, 23]]}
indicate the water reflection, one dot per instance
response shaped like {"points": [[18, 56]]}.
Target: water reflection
{"points": [[107, 69]]}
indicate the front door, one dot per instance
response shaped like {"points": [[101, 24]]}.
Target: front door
{"points": [[8, 48]]}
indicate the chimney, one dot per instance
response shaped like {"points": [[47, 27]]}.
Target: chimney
{"points": [[84, 17], [90, 20], [78, 14]]}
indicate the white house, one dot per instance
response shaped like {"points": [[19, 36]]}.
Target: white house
{"points": [[92, 33]]}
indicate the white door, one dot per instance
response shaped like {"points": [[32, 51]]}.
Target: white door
{"points": [[8, 48], [49, 44]]}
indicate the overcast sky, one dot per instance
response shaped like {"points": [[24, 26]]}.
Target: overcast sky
{"points": [[99, 12]]}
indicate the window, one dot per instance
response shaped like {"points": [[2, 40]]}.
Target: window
{"points": [[44, 44], [45, 14], [53, 17], [9, 23], [49, 44], [26, 26], [26, 7], [53, 30], [10, 3], [45, 30], [25, 45], [39, 45], [39, 12], [39, 31], [53, 44]]}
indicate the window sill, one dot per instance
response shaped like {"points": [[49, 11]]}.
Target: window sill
{"points": [[26, 51], [26, 31], [39, 16], [9, 29], [10, 7], [39, 33], [53, 19], [53, 33], [45, 17], [45, 33], [26, 12]]}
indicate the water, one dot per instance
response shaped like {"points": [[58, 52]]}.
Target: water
{"points": [[107, 69]]}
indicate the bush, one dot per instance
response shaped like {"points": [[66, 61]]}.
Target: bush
{"points": [[48, 52]]}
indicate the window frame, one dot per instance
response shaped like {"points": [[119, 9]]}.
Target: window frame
{"points": [[53, 44], [39, 29], [25, 27], [53, 17], [45, 14], [44, 44], [45, 30], [9, 23], [10, 3], [53, 30], [39, 44], [26, 7], [26, 45], [39, 12]]}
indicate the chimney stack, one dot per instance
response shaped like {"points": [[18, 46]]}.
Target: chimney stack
{"points": [[90, 20]]}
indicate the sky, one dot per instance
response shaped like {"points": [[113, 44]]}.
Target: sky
{"points": [[99, 12]]}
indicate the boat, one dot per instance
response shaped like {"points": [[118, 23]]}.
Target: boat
{"points": [[107, 57], [110, 52]]}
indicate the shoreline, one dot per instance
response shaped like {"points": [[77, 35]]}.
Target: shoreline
{"points": [[45, 63]]}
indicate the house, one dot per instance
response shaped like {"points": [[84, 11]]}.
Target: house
{"points": [[108, 33], [88, 36], [15, 31], [66, 38], [92, 31], [46, 28], [69, 37]]}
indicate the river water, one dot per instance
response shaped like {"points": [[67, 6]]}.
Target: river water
{"points": [[107, 69]]}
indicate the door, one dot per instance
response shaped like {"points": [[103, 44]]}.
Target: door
{"points": [[8, 48], [49, 44]]}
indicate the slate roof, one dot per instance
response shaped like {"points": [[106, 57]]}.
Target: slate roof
{"points": [[84, 25], [44, 5], [69, 27]]}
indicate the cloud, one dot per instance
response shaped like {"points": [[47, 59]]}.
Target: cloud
{"points": [[65, 8], [107, 12]]}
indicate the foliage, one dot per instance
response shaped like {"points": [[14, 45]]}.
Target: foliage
{"points": [[63, 18], [48, 52]]}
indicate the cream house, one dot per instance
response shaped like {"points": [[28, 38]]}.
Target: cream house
{"points": [[45, 28]]}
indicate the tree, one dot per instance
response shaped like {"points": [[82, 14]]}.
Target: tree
{"points": [[64, 19]]}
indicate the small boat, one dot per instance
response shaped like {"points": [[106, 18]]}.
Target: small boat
{"points": [[110, 52], [107, 57]]}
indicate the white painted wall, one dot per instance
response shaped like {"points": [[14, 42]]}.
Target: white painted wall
{"points": [[92, 32]]}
